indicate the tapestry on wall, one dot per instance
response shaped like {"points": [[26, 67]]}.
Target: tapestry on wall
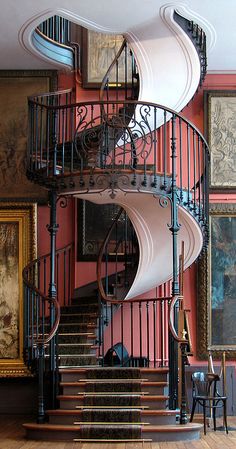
{"points": [[15, 87]]}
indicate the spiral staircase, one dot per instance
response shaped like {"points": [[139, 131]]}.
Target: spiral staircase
{"points": [[153, 163]]}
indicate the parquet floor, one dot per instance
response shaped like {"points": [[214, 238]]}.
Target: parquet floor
{"points": [[12, 437]]}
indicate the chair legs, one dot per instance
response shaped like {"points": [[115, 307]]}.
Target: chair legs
{"points": [[213, 414], [204, 416], [225, 415]]}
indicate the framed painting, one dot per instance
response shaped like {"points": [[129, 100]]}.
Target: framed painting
{"points": [[99, 50], [220, 130], [17, 248], [217, 285], [94, 221], [91, 236], [15, 87]]}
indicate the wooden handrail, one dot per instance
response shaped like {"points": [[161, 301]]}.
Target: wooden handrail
{"points": [[100, 255], [42, 295], [76, 105], [106, 76]]}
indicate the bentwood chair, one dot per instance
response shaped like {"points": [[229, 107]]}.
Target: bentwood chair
{"points": [[206, 394]]}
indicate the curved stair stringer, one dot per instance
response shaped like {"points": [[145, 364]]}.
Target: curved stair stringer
{"points": [[164, 53], [150, 221]]}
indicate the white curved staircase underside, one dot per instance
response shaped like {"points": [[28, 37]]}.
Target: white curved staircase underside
{"points": [[167, 60], [150, 221]]}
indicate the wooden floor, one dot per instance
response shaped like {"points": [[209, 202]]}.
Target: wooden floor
{"points": [[12, 437]]}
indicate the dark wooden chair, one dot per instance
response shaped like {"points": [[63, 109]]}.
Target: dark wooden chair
{"points": [[206, 394]]}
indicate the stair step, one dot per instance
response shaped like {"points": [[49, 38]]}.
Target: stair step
{"points": [[176, 432], [89, 314], [76, 334], [112, 381], [166, 433], [93, 440], [121, 423], [101, 407]]}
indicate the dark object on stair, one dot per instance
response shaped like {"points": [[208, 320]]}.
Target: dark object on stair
{"points": [[206, 394], [118, 355]]}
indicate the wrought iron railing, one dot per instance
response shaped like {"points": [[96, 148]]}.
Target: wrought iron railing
{"points": [[68, 141], [121, 76], [42, 315], [57, 29], [198, 37]]}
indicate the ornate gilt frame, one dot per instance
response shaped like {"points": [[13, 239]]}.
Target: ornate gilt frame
{"points": [[204, 291], [25, 216]]}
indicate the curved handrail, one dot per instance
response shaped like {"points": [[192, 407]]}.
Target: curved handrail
{"points": [[52, 41], [171, 300], [100, 256], [46, 299], [106, 76], [117, 102], [45, 340], [170, 319]]}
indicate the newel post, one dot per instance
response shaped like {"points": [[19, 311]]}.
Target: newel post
{"points": [[52, 291], [174, 228]]}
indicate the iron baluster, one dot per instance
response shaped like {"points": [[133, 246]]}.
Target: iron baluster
{"points": [[188, 164], [154, 333], [148, 336], [132, 329]]}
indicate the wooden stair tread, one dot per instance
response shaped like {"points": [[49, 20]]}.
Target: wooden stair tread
{"points": [[163, 370], [76, 344], [77, 355], [111, 407], [144, 410], [80, 408], [161, 412], [173, 428], [98, 381], [77, 334], [104, 440], [156, 397], [110, 423], [79, 314]]}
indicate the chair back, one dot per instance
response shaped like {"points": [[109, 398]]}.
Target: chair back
{"points": [[202, 383]]}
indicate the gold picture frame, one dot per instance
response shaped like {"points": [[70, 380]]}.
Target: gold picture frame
{"points": [[99, 50], [15, 87], [220, 132], [216, 310], [18, 246]]}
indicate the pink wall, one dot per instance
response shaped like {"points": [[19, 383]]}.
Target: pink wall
{"points": [[195, 113], [85, 272]]}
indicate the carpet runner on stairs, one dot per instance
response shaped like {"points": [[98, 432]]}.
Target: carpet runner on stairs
{"points": [[76, 333], [111, 388]]}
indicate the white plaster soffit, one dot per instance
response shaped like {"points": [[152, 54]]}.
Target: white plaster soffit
{"points": [[150, 222], [167, 59]]}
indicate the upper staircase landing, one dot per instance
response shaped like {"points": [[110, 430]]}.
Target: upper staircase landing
{"points": [[145, 157]]}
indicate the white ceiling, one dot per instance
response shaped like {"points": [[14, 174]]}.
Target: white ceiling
{"points": [[17, 19]]}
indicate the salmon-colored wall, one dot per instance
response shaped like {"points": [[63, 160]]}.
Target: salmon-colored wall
{"points": [[195, 113], [85, 272]]}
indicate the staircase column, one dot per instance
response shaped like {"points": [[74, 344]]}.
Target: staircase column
{"points": [[174, 228], [52, 291]]}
